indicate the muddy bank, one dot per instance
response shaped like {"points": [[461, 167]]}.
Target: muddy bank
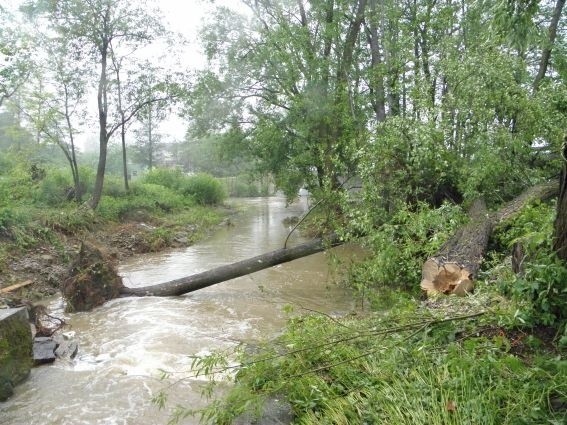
{"points": [[47, 265]]}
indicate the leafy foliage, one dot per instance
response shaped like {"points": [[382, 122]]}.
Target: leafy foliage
{"points": [[540, 288], [203, 188], [400, 246]]}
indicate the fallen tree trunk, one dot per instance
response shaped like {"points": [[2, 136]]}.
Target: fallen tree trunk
{"points": [[231, 271], [453, 268]]}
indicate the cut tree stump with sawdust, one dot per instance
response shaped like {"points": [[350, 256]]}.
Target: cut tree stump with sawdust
{"points": [[454, 267]]}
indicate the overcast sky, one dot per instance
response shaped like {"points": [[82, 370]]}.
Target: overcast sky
{"points": [[185, 17]]}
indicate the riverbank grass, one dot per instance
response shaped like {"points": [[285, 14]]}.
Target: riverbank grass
{"points": [[162, 209], [420, 365]]}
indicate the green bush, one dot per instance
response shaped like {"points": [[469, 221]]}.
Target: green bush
{"points": [[16, 185], [87, 179], [52, 189], [70, 220], [205, 189], [114, 186], [242, 189], [112, 209], [167, 177], [159, 196], [15, 226], [142, 196]]}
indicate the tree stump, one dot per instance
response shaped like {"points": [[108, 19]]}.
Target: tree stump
{"points": [[454, 267], [92, 280]]}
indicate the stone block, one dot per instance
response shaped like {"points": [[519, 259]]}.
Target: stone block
{"points": [[15, 349]]}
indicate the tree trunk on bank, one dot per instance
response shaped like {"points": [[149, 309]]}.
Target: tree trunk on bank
{"points": [[560, 226], [231, 271], [453, 268]]}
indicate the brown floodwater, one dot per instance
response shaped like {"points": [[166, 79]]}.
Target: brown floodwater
{"points": [[124, 344]]}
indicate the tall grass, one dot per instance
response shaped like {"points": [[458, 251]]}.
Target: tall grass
{"points": [[383, 370]]}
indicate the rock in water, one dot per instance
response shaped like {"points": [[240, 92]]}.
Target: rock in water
{"points": [[92, 280], [67, 349], [43, 350], [15, 349], [274, 412]]}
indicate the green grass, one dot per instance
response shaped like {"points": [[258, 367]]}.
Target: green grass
{"points": [[398, 367]]}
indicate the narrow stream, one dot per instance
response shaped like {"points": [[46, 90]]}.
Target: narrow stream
{"points": [[124, 344]]}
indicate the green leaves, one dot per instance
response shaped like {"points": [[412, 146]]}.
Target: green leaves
{"points": [[540, 287]]}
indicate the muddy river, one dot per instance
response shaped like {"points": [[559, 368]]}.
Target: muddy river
{"points": [[124, 344]]}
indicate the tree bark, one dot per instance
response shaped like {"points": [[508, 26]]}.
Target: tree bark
{"points": [[546, 54], [102, 102], [453, 268], [376, 79], [560, 225], [103, 132], [234, 270]]}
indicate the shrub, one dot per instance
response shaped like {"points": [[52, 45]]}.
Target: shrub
{"points": [[113, 209], [16, 185], [70, 220], [166, 177], [15, 226], [148, 197], [540, 288], [242, 189], [205, 189], [159, 196], [87, 178], [114, 186], [400, 246], [52, 189]]}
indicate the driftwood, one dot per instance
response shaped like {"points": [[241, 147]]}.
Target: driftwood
{"points": [[16, 286], [453, 268], [231, 271]]}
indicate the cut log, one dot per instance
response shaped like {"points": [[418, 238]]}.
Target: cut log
{"points": [[16, 286], [453, 268], [234, 270]]}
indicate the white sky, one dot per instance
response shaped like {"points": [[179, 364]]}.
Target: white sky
{"points": [[187, 17]]}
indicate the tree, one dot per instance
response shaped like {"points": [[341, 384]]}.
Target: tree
{"points": [[15, 55], [546, 53], [560, 228], [150, 115], [155, 89], [292, 82], [96, 29]]}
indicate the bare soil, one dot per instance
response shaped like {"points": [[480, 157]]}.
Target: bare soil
{"points": [[47, 265]]}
